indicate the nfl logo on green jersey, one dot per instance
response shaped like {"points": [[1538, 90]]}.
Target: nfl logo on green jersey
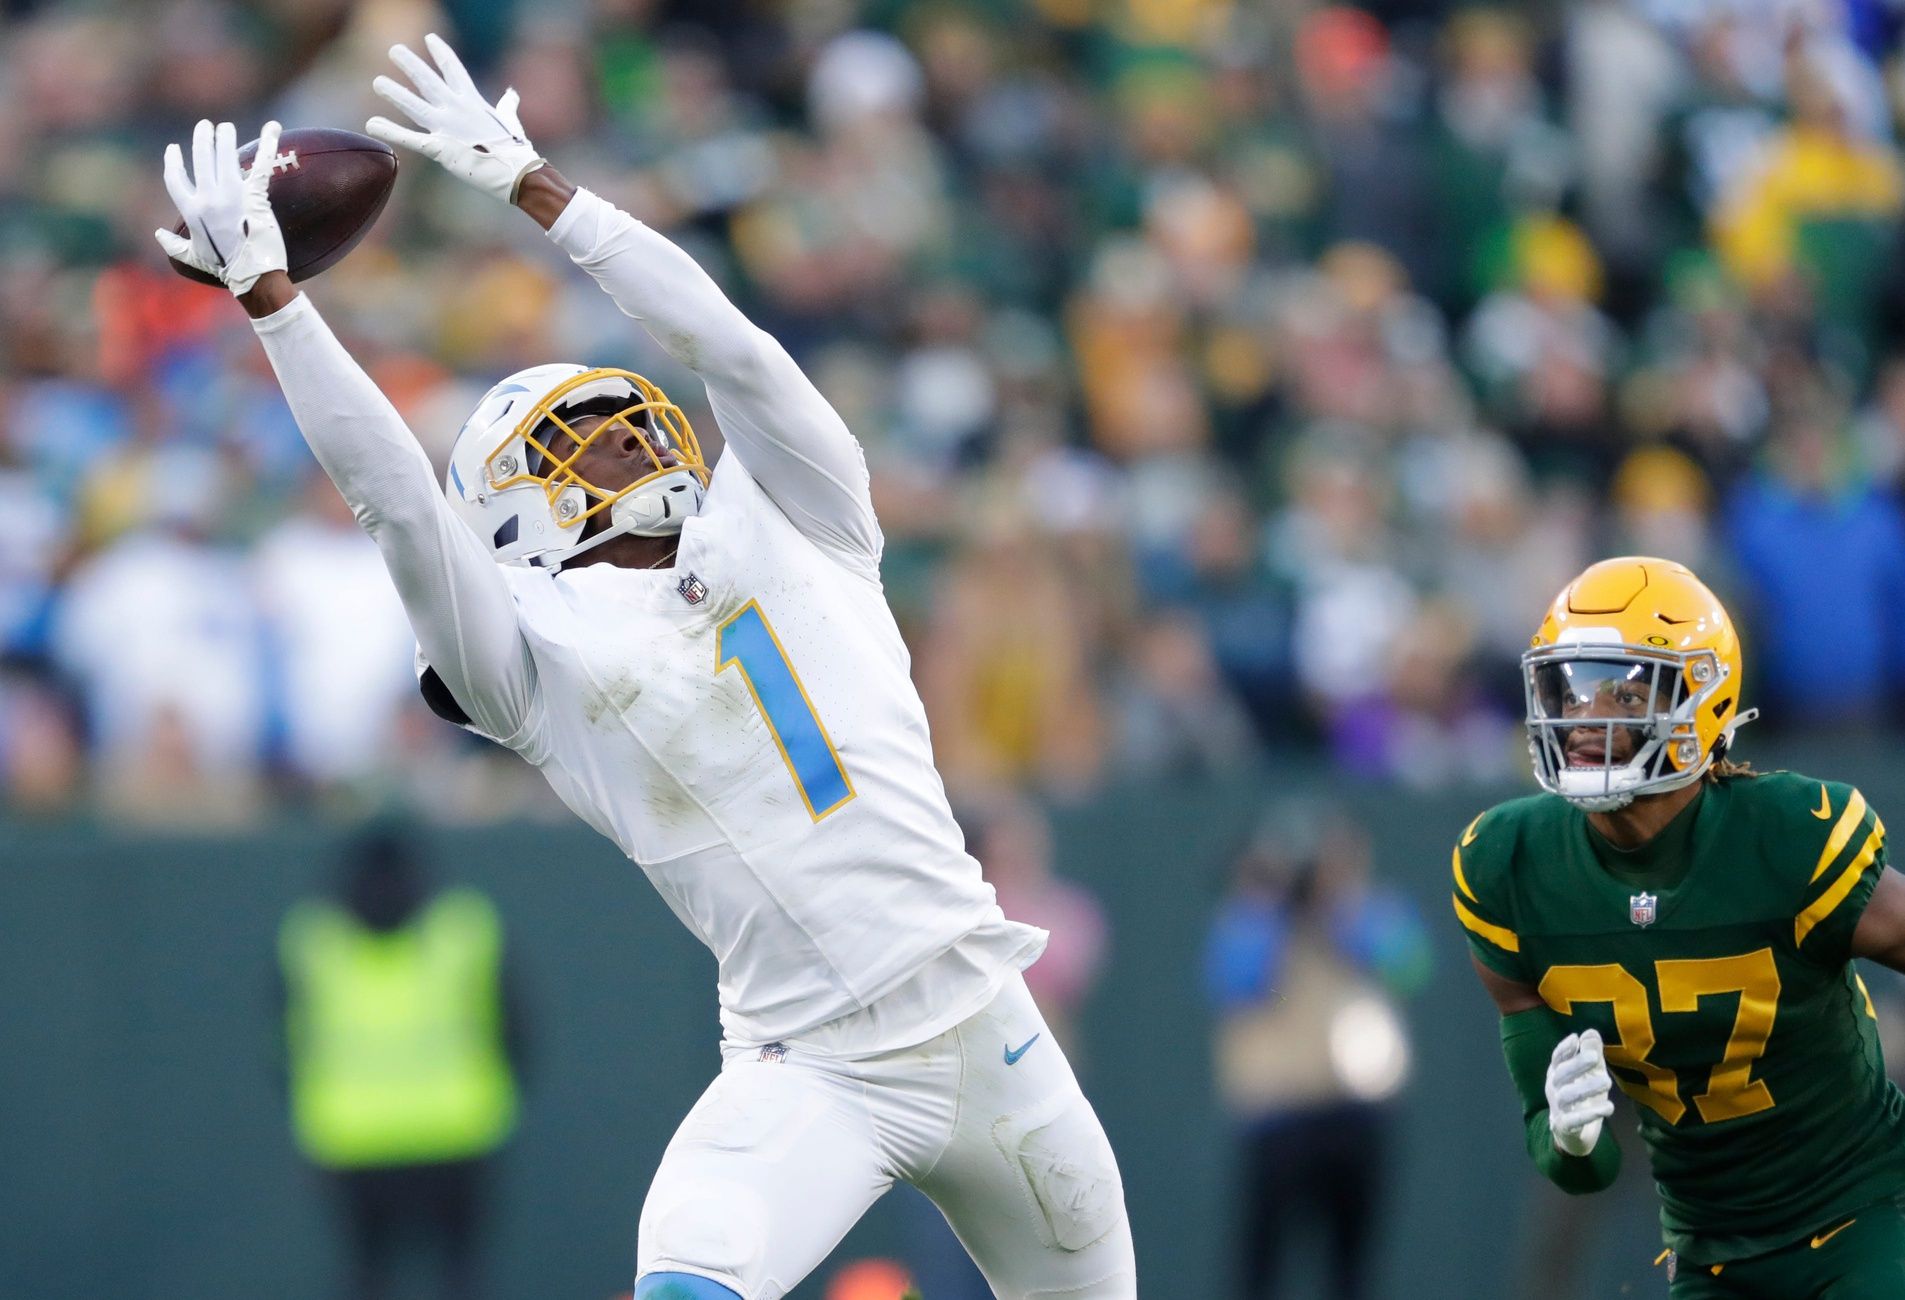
{"points": [[1640, 908]]}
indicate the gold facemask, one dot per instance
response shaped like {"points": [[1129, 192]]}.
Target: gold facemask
{"points": [[657, 423]]}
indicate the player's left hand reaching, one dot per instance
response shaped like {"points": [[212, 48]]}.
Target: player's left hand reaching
{"points": [[477, 141], [233, 233]]}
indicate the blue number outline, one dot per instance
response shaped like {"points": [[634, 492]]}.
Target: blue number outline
{"points": [[722, 660]]}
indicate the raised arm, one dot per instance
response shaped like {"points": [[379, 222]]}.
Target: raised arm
{"points": [[785, 433], [457, 600], [452, 589]]}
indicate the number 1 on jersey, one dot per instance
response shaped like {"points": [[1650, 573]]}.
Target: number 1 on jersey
{"points": [[747, 640]]}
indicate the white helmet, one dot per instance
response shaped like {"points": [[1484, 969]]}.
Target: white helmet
{"points": [[530, 506]]}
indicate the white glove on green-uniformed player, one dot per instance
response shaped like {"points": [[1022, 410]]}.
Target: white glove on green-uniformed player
{"points": [[233, 233], [1579, 1089], [475, 140]]}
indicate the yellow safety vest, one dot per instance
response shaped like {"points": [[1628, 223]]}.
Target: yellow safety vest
{"points": [[396, 1037]]}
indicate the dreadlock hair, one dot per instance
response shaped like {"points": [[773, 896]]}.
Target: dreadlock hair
{"points": [[1725, 769]]}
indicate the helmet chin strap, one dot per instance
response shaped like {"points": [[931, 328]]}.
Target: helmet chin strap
{"points": [[658, 509], [1601, 803]]}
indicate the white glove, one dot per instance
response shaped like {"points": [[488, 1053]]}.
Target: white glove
{"points": [[474, 140], [1578, 1093], [234, 234]]}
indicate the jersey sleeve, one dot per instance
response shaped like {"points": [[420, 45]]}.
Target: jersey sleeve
{"points": [[1480, 904], [789, 437], [1842, 873], [453, 591]]}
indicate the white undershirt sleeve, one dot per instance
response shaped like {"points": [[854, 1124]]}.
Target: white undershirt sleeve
{"points": [[789, 438], [453, 590]]}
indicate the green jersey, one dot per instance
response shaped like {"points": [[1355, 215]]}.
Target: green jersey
{"points": [[1715, 962]]}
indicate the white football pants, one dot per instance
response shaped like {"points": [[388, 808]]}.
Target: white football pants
{"points": [[784, 1153]]}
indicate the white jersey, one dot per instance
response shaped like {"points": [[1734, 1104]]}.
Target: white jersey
{"points": [[743, 725]]}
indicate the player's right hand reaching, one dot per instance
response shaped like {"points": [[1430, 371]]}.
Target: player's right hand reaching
{"points": [[474, 140], [1579, 1089], [231, 230]]}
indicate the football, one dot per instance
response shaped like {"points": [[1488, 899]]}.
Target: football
{"points": [[327, 187]]}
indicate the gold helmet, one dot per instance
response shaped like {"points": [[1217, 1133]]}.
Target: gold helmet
{"points": [[1633, 683]]}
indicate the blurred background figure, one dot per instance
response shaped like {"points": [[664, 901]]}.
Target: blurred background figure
{"points": [[404, 1051], [1307, 963], [1012, 839], [344, 681]]}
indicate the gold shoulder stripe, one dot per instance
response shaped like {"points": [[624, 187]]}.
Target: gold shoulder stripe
{"points": [[1500, 936], [1841, 833], [1468, 834], [1824, 905], [1461, 881]]}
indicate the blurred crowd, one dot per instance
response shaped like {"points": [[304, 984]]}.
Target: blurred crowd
{"points": [[1233, 375]]}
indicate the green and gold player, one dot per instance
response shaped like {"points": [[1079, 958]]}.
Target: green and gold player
{"points": [[1665, 920]]}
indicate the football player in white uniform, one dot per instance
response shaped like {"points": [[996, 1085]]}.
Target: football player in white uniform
{"points": [[703, 665]]}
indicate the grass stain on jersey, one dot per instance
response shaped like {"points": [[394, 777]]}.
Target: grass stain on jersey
{"points": [[612, 700], [669, 803]]}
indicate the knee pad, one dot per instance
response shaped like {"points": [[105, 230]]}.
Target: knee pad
{"points": [[682, 1286], [1066, 1160]]}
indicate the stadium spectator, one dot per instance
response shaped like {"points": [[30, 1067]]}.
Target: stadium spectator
{"points": [[1003, 666], [1544, 353], [1208, 564], [1497, 154], [159, 634], [1175, 716], [28, 564], [42, 764], [1013, 841], [1879, 432], [339, 683], [1820, 548], [1367, 137], [1816, 202], [1306, 962]]}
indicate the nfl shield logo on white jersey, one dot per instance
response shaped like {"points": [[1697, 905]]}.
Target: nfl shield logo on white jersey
{"points": [[1640, 908], [692, 589]]}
